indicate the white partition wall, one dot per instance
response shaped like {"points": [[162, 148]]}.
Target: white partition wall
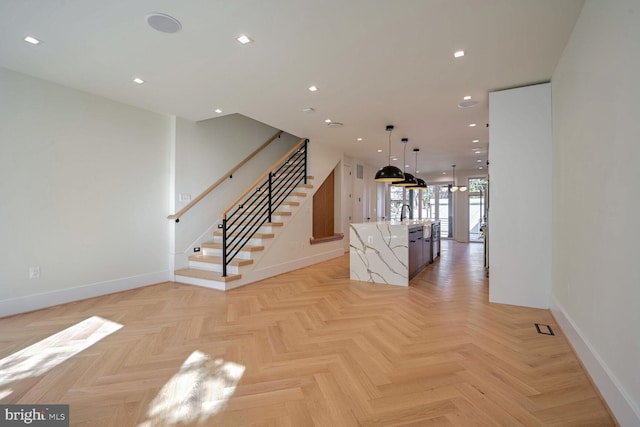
{"points": [[520, 173], [596, 275]]}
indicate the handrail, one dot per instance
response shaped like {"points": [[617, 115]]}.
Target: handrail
{"points": [[263, 176], [212, 187]]}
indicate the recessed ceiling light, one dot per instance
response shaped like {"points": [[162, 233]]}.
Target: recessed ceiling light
{"points": [[358, 139], [308, 110], [458, 54], [138, 80], [327, 120], [31, 40], [480, 167], [395, 159], [312, 88], [244, 39], [444, 173], [217, 110], [379, 151], [476, 140], [479, 160], [466, 98], [472, 125]]}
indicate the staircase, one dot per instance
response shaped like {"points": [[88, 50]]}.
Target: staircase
{"points": [[250, 224]]}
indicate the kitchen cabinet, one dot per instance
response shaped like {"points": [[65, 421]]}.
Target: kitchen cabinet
{"points": [[415, 250]]}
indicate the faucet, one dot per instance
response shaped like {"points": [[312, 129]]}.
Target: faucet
{"points": [[402, 211]]}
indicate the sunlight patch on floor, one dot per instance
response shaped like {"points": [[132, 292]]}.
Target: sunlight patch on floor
{"points": [[5, 393], [199, 390], [39, 358]]}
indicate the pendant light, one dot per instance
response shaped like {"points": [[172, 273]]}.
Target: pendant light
{"points": [[421, 185], [389, 173], [453, 188], [408, 180]]}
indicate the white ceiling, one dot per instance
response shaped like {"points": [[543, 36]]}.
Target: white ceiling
{"points": [[375, 62]]}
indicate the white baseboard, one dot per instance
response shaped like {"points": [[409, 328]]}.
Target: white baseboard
{"points": [[211, 284], [26, 303], [624, 409]]}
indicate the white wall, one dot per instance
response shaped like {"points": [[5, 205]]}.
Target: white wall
{"points": [[83, 194], [596, 274], [204, 152], [520, 170]]}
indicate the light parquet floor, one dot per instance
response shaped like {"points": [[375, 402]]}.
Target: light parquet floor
{"points": [[305, 348]]}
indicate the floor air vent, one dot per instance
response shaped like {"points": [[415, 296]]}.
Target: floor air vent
{"points": [[544, 329]]}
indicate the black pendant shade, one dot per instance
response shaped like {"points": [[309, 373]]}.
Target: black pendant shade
{"points": [[408, 181], [389, 173], [420, 186]]}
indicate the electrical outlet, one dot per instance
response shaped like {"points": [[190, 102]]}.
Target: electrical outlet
{"points": [[369, 239], [34, 272], [184, 197]]}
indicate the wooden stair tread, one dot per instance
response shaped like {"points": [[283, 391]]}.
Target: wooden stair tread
{"points": [[281, 213], [298, 194], [288, 203], [305, 185], [213, 259], [247, 248], [206, 275]]}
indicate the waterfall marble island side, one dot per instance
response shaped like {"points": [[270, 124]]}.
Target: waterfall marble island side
{"points": [[391, 252]]}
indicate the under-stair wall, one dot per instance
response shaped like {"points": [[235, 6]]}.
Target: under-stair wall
{"points": [[291, 249], [204, 151]]}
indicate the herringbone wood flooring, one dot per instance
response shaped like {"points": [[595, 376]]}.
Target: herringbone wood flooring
{"points": [[316, 349]]}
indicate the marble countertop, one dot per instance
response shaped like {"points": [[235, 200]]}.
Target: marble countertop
{"points": [[379, 250]]}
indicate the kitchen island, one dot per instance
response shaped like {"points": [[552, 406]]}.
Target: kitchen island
{"points": [[391, 252]]}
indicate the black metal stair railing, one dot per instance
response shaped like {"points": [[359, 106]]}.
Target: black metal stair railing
{"points": [[241, 223]]}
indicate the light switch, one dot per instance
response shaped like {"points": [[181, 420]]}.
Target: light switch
{"points": [[369, 239]]}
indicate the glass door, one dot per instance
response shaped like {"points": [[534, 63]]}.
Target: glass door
{"points": [[476, 208], [436, 205], [445, 211]]}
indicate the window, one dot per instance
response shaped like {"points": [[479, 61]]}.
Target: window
{"points": [[396, 200], [428, 203], [399, 196]]}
